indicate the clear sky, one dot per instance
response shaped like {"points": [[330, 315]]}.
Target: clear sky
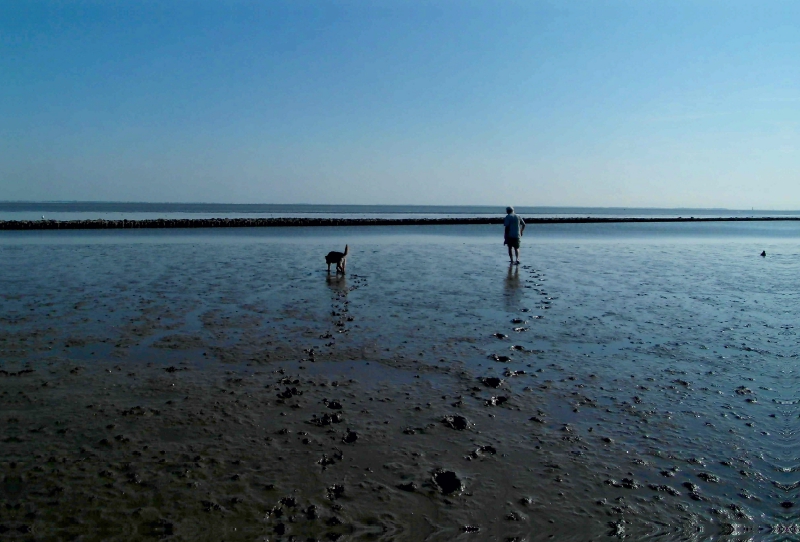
{"points": [[576, 103]]}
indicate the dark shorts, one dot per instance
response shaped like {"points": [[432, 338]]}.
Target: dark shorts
{"points": [[512, 242]]}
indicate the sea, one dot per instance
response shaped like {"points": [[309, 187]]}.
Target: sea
{"points": [[141, 211]]}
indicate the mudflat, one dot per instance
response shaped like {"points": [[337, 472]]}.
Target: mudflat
{"points": [[222, 386]]}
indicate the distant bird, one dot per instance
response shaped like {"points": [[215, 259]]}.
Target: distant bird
{"points": [[42, 217], [763, 253]]}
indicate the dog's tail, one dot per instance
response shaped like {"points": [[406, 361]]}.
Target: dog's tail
{"points": [[345, 250]]}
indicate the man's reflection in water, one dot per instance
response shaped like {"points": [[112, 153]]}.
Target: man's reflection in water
{"points": [[513, 289]]}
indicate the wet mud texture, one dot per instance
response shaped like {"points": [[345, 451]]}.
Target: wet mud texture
{"points": [[235, 391]]}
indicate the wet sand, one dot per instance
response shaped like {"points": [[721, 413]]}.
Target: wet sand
{"points": [[227, 388]]}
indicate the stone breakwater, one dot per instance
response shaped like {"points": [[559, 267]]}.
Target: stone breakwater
{"points": [[317, 222]]}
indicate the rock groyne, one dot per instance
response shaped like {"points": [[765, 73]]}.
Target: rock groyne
{"points": [[101, 224]]}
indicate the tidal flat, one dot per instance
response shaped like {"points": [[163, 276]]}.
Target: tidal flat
{"points": [[626, 380]]}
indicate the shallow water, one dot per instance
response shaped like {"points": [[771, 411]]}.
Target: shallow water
{"points": [[143, 211], [663, 355]]}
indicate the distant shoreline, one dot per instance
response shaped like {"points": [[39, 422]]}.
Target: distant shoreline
{"points": [[101, 224]]}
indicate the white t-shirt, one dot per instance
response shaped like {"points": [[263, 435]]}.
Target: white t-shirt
{"points": [[513, 222]]}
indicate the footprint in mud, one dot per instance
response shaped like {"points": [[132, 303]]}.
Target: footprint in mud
{"points": [[501, 359], [336, 491], [447, 481], [456, 422], [288, 393], [492, 381], [483, 451], [326, 419]]}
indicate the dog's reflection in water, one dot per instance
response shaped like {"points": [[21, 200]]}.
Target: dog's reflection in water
{"points": [[336, 282]]}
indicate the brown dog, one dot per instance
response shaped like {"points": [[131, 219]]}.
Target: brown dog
{"points": [[339, 258]]}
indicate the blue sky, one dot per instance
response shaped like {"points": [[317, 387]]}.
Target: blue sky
{"points": [[595, 103]]}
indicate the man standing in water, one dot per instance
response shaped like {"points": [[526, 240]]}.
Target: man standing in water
{"points": [[514, 226]]}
